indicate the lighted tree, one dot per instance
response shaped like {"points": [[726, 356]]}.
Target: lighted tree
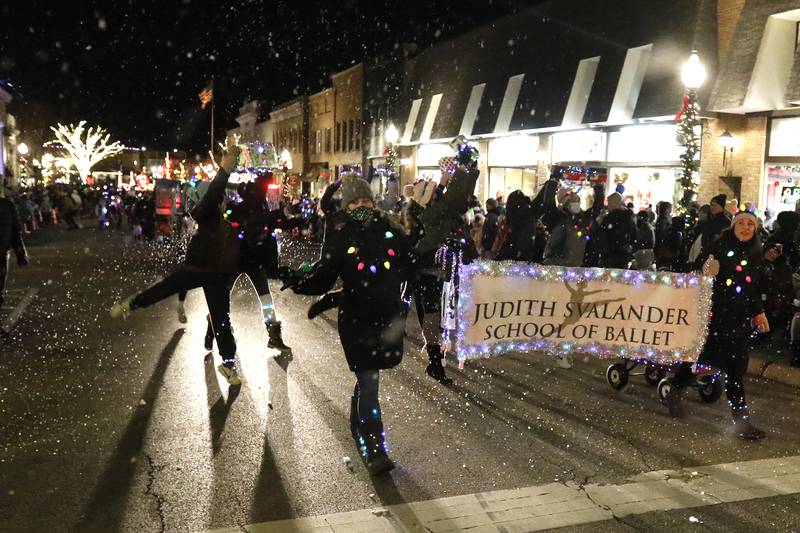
{"points": [[86, 147]]}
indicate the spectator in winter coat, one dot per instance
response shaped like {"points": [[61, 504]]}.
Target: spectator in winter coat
{"points": [[519, 243], [10, 239], [617, 234], [374, 259], [718, 220], [736, 309], [570, 233], [663, 221], [491, 224], [785, 234], [643, 257], [777, 291]]}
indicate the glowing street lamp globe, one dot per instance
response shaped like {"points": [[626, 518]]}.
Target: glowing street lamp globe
{"points": [[392, 134], [693, 72], [22, 149]]}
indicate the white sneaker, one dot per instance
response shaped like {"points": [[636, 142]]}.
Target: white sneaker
{"points": [[563, 360], [122, 309], [230, 375], [181, 313]]}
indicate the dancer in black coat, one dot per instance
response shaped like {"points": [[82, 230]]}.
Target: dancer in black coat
{"points": [[374, 259], [736, 310]]}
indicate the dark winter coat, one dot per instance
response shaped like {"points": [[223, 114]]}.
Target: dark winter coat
{"points": [[491, 224], [736, 298], [10, 230], [568, 238], [216, 245], [786, 235], [713, 228], [373, 260], [777, 291], [519, 244], [256, 225], [617, 235], [444, 213]]}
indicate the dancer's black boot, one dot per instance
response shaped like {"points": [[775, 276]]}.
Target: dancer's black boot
{"points": [[435, 368], [744, 426], [276, 337], [373, 446]]}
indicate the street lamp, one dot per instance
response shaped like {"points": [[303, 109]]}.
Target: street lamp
{"points": [[728, 142], [392, 134], [693, 72], [286, 158], [22, 149]]}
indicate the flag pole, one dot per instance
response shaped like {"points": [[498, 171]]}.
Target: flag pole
{"points": [[212, 121]]}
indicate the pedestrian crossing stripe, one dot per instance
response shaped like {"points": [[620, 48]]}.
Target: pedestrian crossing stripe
{"points": [[556, 505]]}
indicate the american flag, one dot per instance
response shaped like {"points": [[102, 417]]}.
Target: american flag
{"points": [[206, 95]]}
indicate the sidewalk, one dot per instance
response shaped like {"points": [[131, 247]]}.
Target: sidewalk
{"points": [[774, 366]]}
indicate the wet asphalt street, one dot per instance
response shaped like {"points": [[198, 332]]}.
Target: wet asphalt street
{"points": [[126, 426]]}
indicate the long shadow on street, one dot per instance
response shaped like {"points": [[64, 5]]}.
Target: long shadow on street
{"points": [[107, 505]]}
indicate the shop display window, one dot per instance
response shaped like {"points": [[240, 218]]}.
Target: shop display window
{"points": [[508, 180], [783, 188], [645, 187]]}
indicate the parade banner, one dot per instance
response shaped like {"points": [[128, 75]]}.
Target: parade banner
{"points": [[657, 316]]}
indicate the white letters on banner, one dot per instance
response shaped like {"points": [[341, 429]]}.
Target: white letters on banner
{"points": [[658, 316]]}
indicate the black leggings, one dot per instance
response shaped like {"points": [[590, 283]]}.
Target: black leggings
{"points": [[734, 366], [217, 290]]}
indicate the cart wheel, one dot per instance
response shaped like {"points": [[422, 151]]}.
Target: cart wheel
{"points": [[664, 388], [617, 376], [710, 388], [652, 375]]}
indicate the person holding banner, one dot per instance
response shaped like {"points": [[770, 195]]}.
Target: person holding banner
{"points": [[373, 257], [736, 310]]}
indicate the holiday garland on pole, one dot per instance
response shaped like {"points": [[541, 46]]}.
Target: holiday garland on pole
{"points": [[688, 122]]}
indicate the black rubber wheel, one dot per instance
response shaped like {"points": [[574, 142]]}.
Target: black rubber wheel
{"points": [[617, 376], [653, 374], [664, 388], [709, 388]]}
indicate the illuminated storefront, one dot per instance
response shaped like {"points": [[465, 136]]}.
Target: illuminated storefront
{"points": [[512, 165]]}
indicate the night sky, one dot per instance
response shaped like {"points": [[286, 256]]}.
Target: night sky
{"points": [[135, 67]]}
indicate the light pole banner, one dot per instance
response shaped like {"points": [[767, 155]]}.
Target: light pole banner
{"points": [[658, 316]]}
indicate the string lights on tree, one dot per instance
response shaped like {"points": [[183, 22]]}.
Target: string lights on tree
{"points": [[693, 74], [85, 147]]}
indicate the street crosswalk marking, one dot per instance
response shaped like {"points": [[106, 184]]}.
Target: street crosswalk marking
{"points": [[9, 321], [555, 505]]}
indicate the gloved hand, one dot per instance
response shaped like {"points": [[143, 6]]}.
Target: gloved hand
{"points": [[430, 187], [230, 159], [711, 266], [22, 260], [286, 275]]}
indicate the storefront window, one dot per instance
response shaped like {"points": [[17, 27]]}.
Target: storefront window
{"points": [[507, 180], [645, 187], [783, 188], [429, 174]]}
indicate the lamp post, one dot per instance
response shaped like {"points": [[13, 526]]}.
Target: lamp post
{"points": [[693, 75], [728, 142]]}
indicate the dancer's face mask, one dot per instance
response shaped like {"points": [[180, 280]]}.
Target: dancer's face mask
{"points": [[361, 214]]}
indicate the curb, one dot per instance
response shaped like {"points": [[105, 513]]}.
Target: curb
{"points": [[773, 369]]}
